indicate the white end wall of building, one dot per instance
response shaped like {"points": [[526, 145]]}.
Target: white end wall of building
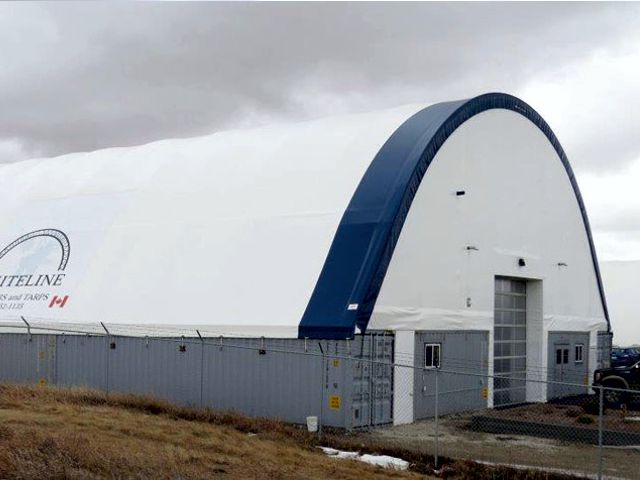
{"points": [[518, 203]]}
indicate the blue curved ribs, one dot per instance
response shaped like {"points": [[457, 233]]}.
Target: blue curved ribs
{"points": [[370, 227]]}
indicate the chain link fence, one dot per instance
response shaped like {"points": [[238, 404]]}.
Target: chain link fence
{"points": [[569, 428], [582, 431]]}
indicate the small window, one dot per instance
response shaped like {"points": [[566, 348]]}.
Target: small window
{"points": [[432, 355], [579, 353], [562, 356]]}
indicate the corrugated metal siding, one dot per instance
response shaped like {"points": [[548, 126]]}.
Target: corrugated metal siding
{"points": [[82, 361], [156, 368], [27, 359], [273, 384], [605, 345], [228, 374]]}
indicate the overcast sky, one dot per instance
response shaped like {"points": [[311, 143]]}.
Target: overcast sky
{"points": [[85, 76]]}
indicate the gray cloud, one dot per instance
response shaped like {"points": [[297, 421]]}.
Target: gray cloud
{"points": [[84, 76]]}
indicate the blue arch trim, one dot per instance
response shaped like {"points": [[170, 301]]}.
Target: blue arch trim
{"points": [[364, 242]]}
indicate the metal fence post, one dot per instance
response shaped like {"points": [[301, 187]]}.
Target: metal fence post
{"points": [[435, 455], [321, 390], [108, 355], [600, 421], [28, 328], [201, 369]]}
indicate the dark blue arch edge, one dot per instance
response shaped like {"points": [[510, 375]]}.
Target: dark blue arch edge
{"points": [[362, 248]]}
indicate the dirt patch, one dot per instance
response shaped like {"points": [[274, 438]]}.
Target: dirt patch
{"points": [[581, 414]]}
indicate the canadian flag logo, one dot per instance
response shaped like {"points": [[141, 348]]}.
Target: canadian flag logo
{"points": [[57, 301]]}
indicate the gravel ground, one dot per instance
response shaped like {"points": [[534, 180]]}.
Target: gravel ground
{"points": [[455, 441]]}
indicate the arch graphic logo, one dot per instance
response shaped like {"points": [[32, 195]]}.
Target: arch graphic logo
{"points": [[27, 281]]}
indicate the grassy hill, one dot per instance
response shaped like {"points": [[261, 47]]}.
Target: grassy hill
{"points": [[58, 433]]}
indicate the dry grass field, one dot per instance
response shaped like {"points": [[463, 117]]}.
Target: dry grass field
{"points": [[59, 433]]}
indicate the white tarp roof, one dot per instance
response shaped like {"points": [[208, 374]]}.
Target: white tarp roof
{"points": [[228, 230]]}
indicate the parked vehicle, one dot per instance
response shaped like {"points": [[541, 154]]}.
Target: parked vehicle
{"points": [[624, 356], [616, 379]]}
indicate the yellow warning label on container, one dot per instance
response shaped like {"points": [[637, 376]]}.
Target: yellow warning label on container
{"points": [[336, 362], [485, 393], [334, 402]]}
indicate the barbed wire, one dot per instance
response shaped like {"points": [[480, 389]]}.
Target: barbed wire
{"points": [[225, 342]]}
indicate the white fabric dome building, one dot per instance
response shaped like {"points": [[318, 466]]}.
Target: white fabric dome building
{"points": [[463, 216]]}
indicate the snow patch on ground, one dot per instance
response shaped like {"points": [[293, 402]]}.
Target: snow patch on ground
{"points": [[384, 461]]}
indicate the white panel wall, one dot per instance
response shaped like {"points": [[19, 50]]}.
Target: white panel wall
{"points": [[403, 377], [536, 350]]}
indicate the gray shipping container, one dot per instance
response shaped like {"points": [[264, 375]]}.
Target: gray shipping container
{"points": [[290, 379]]}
